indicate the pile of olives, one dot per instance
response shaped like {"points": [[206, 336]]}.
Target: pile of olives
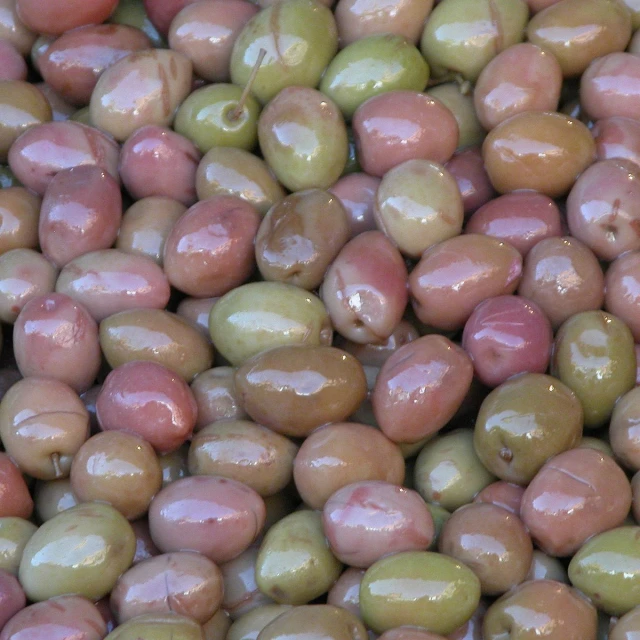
{"points": [[320, 321]]}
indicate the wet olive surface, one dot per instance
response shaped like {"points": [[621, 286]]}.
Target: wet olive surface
{"points": [[319, 319]]}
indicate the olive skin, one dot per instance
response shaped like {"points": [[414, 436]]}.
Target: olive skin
{"points": [[82, 550], [448, 473], [513, 160], [250, 319], [243, 451], [300, 38], [218, 517], [156, 626], [158, 336], [594, 356], [303, 138], [527, 611], [579, 31], [372, 66], [14, 535], [517, 429], [295, 389], [295, 564], [576, 495], [339, 454], [66, 616], [418, 588], [300, 236], [420, 388], [327, 621], [463, 36], [492, 542], [185, 583], [606, 570]]}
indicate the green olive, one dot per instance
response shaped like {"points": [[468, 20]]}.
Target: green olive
{"points": [[326, 621], [448, 471], [303, 138], [213, 117], [594, 355], [132, 13], [299, 36], [371, 66], [262, 315], [249, 625], [80, 551], [462, 36], [607, 569], [295, 564], [440, 515], [517, 429], [236, 172], [418, 588], [14, 535], [157, 626]]}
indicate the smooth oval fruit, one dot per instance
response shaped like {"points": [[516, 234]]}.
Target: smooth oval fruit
{"points": [[295, 564], [538, 150], [295, 389], [607, 569], [463, 36], [243, 451], [303, 138], [142, 88], [82, 550], [300, 38], [262, 315], [517, 428], [218, 517], [541, 608], [418, 588], [182, 582], [327, 621], [575, 495], [155, 335], [594, 356], [371, 66], [579, 31]]}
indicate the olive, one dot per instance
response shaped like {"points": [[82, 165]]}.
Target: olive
{"points": [[418, 588], [82, 550]]}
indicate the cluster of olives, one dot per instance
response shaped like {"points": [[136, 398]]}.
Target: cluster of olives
{"points": [[320, 321]]}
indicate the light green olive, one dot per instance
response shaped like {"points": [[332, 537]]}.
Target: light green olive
{"points": [[462, 36], [418, 588], [594, 356], [303, 138], [236, 172], [371, 66], [80, 551], [14, 535], [448, 471], [607, 569], [249, 625], [158, 626], [211, 117], [299, 36], [326, 621], [132, 13], [440, 515], [294, 564], [262, 315]]}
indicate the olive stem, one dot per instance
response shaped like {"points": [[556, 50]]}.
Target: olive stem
{"points": [[237, 112], [55, 461], [464, 85]]}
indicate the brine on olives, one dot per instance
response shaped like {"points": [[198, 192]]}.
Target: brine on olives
{"points": [[319, 319]]}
